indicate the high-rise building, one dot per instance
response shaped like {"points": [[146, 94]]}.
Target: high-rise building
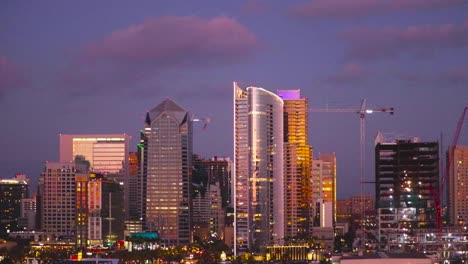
{"points": [[458, 187], [329, 180], [297, 165], [106, 153], [166, 149], [406, 171], [258, 169], [58, 198], [11, 193]]}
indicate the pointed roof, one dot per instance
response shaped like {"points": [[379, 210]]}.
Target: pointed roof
{"points": [[167, 106]]}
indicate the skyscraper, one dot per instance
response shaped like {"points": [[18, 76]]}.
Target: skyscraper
{"points": [[258, 169], [458, 187], [406, 170], [166, 147], [297, 165]]}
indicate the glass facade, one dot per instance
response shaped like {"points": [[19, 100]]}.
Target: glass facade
{"points": [[107, 154], [259, 200], [167, 138]]}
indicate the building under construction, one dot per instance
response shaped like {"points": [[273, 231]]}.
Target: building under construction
{"points": [[407, 180]]}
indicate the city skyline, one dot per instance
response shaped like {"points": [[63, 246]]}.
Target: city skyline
{"points": [[411, 61]]}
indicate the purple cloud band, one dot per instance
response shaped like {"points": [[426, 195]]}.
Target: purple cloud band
{"points": [[345, 9], [134, 54], [378, 43]]}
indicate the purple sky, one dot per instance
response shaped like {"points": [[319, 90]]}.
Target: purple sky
{"points": [[98, 66]]}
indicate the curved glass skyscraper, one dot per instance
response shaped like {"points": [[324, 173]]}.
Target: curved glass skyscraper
{"points": [[258, 175]]}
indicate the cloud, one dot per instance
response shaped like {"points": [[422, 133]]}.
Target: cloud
{"points": [[350, 73], [131, 56], [378, 43], [11, 76], [345, 9]]}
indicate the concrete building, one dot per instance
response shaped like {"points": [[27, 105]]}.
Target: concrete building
{"points": [[458, 187], [57, 189], [28, 214], [258, 169], [166, 169], [297, 165], [406, 171], [323, 192]]}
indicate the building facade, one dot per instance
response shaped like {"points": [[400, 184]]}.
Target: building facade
{"points": [[323, 203], [258, 169], [297, 165], [166, 149], [407, 180], [458, 187], [57, 188]]}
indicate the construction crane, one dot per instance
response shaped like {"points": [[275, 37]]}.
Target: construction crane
{"points": [[451, 154], [205, 121], [362, 112]]}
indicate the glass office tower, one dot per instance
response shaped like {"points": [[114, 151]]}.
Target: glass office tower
{"points": [[166, 147], [258, 176]]}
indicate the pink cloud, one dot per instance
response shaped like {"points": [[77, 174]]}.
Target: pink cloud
{"points": [[374, 43], [11, 77], [345, 9], [130, 57], [171, 40], [350, 73]]}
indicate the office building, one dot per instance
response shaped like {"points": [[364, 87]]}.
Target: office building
{"points": [[57, 189], [11, 193], [258, 169], [107, 154], [406, 183], [166, 149], [297, 165], [458, 187]]}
